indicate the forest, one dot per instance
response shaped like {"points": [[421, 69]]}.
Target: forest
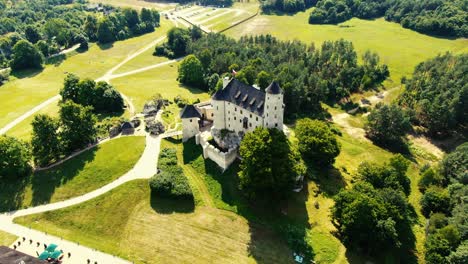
{"points": [[51, 25], [437, 93], [448, 18], [307, 74]]}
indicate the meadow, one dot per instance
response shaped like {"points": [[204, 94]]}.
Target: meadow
{"points": [[30, 88], [84, 173], [179, 231], [142, 86], [401, 49]]}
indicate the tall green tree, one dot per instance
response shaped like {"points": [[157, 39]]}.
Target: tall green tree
{"points": [[316, 141], [178, 40], [25, 55], [15, 156], [45, 141], [387, 124], [435, 200], [269, 164], [32, 34], [104, 31], [191, 72], [78, 126]]}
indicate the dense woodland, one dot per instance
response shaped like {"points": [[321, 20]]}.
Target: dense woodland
{"points": [[435, 17], [307, 74], [51, 25], [437, 94]]}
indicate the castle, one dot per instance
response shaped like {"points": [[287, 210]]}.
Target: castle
{"points": [[234, 110]]}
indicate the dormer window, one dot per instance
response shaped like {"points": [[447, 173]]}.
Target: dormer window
{"points": [[245, 98]]}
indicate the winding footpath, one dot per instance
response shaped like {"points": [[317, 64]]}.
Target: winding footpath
{"points": [[143, 169]]}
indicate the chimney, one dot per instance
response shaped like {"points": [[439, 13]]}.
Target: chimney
{"points": [[226, 81]]}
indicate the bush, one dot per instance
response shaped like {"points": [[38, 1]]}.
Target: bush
{"points": [[434, 200], [429, 177], [14, 157], [171, 183]]}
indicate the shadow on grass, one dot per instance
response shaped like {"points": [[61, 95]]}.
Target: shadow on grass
{"points": [[28, 73], [280, 227], [170, 205], [105, 46], [12, 192], [45, 182], [56, 60]]}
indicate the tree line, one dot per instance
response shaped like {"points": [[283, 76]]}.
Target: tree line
{"points": [[433, 17], [287, 6], [307, 74], [445, 192], [31, 30]]}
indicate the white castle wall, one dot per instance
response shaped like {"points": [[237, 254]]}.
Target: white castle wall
{"points": [[223, 159], [274, 110], [190, 128]]}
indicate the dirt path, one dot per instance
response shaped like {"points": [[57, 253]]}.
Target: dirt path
{"points": [[356, 132]]}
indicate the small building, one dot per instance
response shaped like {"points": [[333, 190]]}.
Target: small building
{"points": [[191, 118], [8, 255], [127, 128]]}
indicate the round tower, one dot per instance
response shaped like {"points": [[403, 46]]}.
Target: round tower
{"points": [[274, 108]]}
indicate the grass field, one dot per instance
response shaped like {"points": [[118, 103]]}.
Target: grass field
{"points": [[28, 89], [6, 239], [401, 49], [86, 172], [142, 86]]}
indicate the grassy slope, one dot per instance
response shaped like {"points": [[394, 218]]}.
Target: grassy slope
{"points": [[401, 49], [177, 231], [86, 172], [141, 86], [6, 239], [29, 89]]}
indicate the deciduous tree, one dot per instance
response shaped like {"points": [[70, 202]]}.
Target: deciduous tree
{"points": [[45, 141]]}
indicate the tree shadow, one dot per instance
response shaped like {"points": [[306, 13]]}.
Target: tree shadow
{"points": [[56, 60], [27, 73], [45, 182], [329, 180], [12, 193], [163, 205], [105, 46]]}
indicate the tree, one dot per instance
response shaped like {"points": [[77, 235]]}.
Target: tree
{"points": [[32, 34], [451, 234], [45, 141], [131, 16], [434, 200], [460, 256], [363, 208], [191, 72], [178, 39], [454, 166], [78, 126], [437, 249], [269, 165], [428, 178], [14, 158], [25, 55], [104, 31], [91, 27], [264, 79], [316, 141], [387, 124]]}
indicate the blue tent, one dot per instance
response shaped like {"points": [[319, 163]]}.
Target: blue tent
{"points": [[51, 247], [44, 255], [56, 254]]}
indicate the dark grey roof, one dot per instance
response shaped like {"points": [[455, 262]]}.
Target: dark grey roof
{"points": [[8, 255], [190, 111], [243, 95], [273, 88], [127, 125]]}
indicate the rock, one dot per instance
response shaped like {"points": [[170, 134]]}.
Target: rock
{"points": [[155, 127]]}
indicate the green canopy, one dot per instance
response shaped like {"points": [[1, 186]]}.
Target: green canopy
{"points": [[44, 255], [51, 247], [56, 254]]}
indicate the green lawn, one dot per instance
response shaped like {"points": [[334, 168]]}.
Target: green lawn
{"points": [[23, 129], [131, 223], [28, 89], [401, 49], [142, 86], [6, 239], [86, 172]]}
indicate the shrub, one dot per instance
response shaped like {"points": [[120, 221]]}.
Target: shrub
{"points": [[435, 199]]}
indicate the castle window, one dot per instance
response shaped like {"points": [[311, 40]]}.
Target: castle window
{"points": [[267, 114], [267, 124], [217, 107], [276, 116], [256, 118], [267, 107], [235, 109], [275, 107], [241, 112], [250, 115], [229, 112], [235, 118], [190, 120], [229, 119], [212, 114], [250, 124], [276, 125], [240, 120]]}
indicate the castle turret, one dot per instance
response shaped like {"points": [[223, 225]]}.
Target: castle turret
{"points": [[191, 117], [274, 107]]}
